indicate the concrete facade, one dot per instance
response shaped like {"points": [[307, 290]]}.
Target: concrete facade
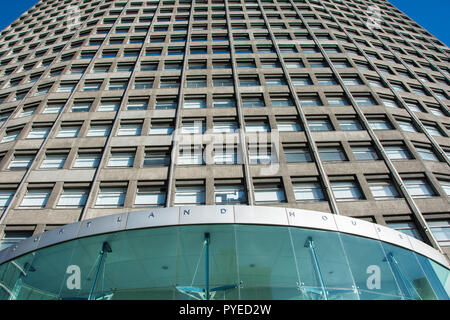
{"points": [[218, 42]]}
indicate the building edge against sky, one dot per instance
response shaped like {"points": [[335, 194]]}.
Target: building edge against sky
{"points": [[112, 107]]}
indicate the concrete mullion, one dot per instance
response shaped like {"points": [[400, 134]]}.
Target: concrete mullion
{"points": [[240, 113], [171, 186]]}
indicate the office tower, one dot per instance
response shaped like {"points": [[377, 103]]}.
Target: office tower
{"points": [[223, 150]]}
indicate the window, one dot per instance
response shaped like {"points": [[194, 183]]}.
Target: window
{"points": [[441, 231], [365, 101], [150, 197], [223, 81], [288, 125], [332, 154], [87, 161], [301, 81], [12, 237], [337, 101], [125, 159], [310, 101], [149, 66], [408, 228], [293, 154], [294, 64], [249, 81], [270, 64], [163, 104], [352, 81], [225, 155], [38, 133], [419, 188], [406, 126], [221, 65], [275, 81], [99, 131], [117, 85], [111, 197], [269, 193], [253, 101], [445, 184], [433, 130], [81, 107], [391, 103], [427, 154], [132, 129], [157, 158], [73, 198], [224, 102], [53, 108], [173, 66], [108, 106], [320, 125], [224, 127], [194, 195], [161, 128], [327, 80], [257, 127], [349, 124], [196, 82], [21, 162], [194, 103], [68, 87], [197, 65], [308, 192], [230, 194], [143, 84], [364, 153], [193, 127], [383, 189], [54, 161], [399, 152], [68, 132], [35, 198], [11, 135], [190, 156], [169, 83], [380, 124], [346, 190], [94, 86], [261, 154]]}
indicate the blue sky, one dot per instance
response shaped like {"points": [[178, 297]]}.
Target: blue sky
{"points": [[433, 15]]}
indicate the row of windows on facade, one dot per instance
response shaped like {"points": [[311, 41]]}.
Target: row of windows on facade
{"points": [[248, 100], [239, 49], [42, 10], [241, 36], [439, 228], [167, 126], [163, 18], [220, 154], [140, 83], [203, 27], [221, 37], [304, 191], [132, 16], [219, 81]]}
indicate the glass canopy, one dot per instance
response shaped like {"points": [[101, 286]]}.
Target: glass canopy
{"points": [[224, 261]]}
